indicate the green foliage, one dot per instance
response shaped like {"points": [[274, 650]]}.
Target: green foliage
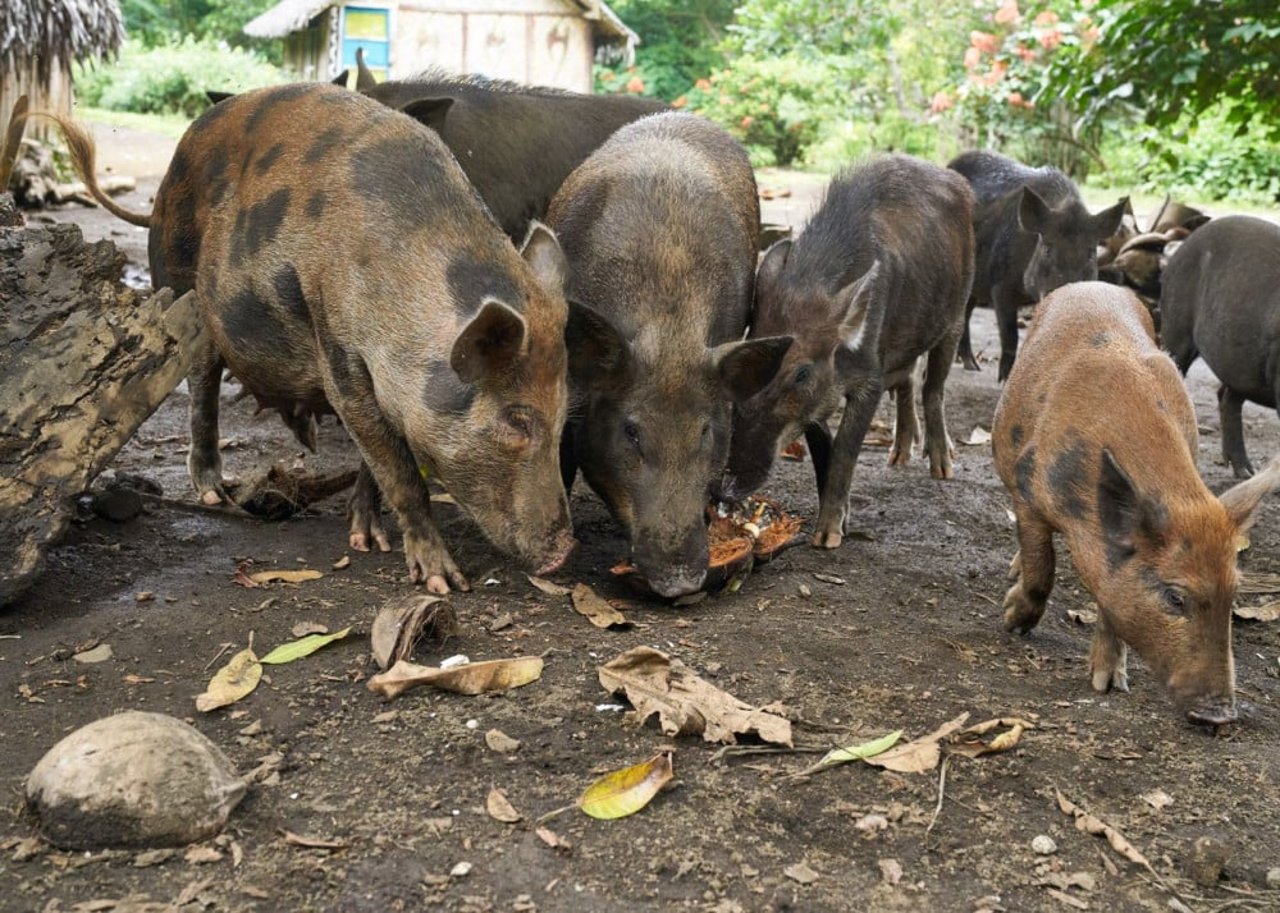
{"points": [[172, 78], [680, 42], [160, 22], [1170, 59]]}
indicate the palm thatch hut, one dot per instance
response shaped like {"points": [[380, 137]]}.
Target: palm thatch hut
{"points": [[536, 42], [40, 39]]}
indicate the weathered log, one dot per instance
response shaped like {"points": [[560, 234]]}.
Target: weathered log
{"points": [[83, 362]]}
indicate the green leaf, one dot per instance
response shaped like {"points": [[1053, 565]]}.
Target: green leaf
{"points": [[858, 752], [303, 646], [624, 792]]}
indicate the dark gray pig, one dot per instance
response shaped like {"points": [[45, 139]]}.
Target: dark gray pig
{"points": [[660, 228], [439, 346], [1220, 301], [1033, 235], [859, 328]]}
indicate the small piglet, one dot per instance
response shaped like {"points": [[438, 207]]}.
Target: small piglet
{"points": [[1220, 301], [1095, 438], [1034, 235], [859, 328]]}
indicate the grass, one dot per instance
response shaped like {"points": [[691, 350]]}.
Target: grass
{"points": [[170, 125]]}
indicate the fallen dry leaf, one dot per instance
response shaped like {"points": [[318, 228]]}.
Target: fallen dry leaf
{"points": [[100, 653], [977, 437], [1157, 799], [972, 741], [470, 678], [800, 873], [890, 871], [132, 679], [858, 752], [500, 808], [551, 589], [315, 843], [550, 838], [1083, 616], [918, 755], [303, 628], [243, 579], [303, 646], [200, 855], [233, 681], [342, 563], [1269, 611], [685, 703], [403, 620], [624, 792], [595, 609], [299, 576], [499, 741], [1092, 824]]}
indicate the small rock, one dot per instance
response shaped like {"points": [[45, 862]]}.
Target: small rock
{"points": [[119, 505], [1273, 877], [1043, 845], [27, 849], [800, 873], [805, 591], [499, 741], [461, 870], [1208, 857], [147, 859], [890, 871], [200, 855], [871, 823]]}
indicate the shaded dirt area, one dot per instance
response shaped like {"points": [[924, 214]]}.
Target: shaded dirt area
{"points": [[908, 638]]}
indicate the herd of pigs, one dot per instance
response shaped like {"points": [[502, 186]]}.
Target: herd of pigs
{"points": [[354, 252]]}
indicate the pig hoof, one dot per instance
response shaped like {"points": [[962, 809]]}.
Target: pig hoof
{"points": [[1020, 616], [1242, 470], [899, 457], [942, 470], [1105, 680], [1015, 566], [213, 498], [827, 539]]}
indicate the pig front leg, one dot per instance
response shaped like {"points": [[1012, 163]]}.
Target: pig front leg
{"points": [[1229, 406], [818, 438], [966, 343], [1006, 305], [906, 424], [204, 462], [364, 514], [1107, 658], [1025, 602], [394, 469], [937, 443], [833, 494]]}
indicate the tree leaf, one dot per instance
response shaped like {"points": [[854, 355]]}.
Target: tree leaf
{"points": [[624, 792], [859, 752], [595, 609], [500, 808], [918, 755], [1269, 611], [970, 742], [1092, 824], [285, 576], [303, 646], [233, 681], [551, 589], [469, 678]]}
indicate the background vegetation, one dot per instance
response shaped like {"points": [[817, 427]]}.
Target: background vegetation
{"points": [[1147, 95]]}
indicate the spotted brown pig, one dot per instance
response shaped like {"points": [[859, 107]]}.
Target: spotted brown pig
{"points": [[1095, 439]]}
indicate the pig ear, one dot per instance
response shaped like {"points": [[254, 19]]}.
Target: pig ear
{"points": [[429, 112], [364, 76], [771, 266], [1241, 501], [541, 250], [746, 368], [599, 356], [215, 97], [341, 78], [489, 343], [864, 308], [1107, 222], [1033, 212], [1123, 512]]}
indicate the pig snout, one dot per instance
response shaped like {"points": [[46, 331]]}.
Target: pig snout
{"points": [[674, 572], [728, 488], [561, 547], [675, 582]]}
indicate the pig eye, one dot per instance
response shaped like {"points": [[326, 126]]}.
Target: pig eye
{"points": [[802, 375], [1175, 600], [632, 434], [520, 421]]}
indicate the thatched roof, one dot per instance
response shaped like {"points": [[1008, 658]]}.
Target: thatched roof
{"points": [[46, 31], [291, 15]]}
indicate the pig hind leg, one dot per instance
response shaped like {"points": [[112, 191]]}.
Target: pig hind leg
{"points": [[204, 462], [1107, 658], [1229, 406], [833, 495], [395, 471], [1007, 321], [906, 425], [937, 443], [966, 343], [1024, 604], [818, 438], [364, 514]]}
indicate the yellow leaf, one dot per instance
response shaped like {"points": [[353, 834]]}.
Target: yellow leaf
{"points": [[230, 683], [303, 646], [624, 792], [285, 576], [471, 678], [859, 752]]}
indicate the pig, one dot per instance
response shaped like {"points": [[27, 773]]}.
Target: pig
{"points": [[439, 346], [1095, 440], [516, 144], [859, 327], [659, 226], [1220, 301], [1034, 234]]}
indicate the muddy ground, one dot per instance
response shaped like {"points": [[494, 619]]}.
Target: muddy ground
{"points": [[908, 638]]}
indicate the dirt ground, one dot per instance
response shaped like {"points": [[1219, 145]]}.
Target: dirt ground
{"points": [[902, 630]]}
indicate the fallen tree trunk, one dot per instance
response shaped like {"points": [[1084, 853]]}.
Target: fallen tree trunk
{"points": [[83, 362]]}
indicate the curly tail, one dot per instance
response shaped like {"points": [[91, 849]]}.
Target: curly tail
{"points": [[83, 153]]}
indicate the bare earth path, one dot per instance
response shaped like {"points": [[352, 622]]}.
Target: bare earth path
{"points": [[909, 638]]}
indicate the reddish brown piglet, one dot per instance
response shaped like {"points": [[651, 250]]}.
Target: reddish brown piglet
{"points": [[1095, 438]]}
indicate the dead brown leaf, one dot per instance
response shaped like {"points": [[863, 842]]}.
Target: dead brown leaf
{"points": [[303, 628], [685, 703], [972, 742], [315, 843], [298, 576], [596, 610], [551, 838], [469, 678], [918, 755], [1092, 824], [1269, 611], [243, 579], [500, 808], [403, 620], [546, 586]]}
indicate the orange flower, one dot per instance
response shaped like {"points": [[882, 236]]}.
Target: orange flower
{"points": [[635, 84], [746, 122], [984, 42], [940, 102], [1048, 17], [1015, 100], [1050, 39], [972, 57], [1008, 12], [702, 85], [680, 102], [1025, 53]]}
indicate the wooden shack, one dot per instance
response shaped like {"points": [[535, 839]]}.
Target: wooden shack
{"points": [[41, 39], [536, 42]]}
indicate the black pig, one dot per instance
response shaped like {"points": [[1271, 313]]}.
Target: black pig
{"points": [[859, 328], [1220, 301], [1034, 235], [660, 227]]}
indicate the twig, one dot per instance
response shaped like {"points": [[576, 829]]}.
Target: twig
{"points": [[217, 656], [942, 791], [555, 813], [734, 751]]}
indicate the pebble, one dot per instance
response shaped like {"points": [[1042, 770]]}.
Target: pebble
{"points": [[1206, 861], [461, 870], [1273, 877], [1043, 845]]}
